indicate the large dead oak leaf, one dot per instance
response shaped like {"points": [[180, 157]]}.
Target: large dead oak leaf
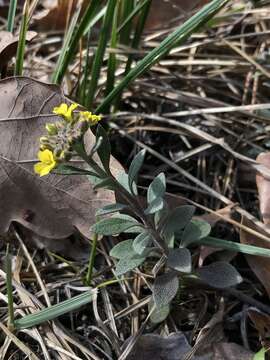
{"points": [[52, 206]]}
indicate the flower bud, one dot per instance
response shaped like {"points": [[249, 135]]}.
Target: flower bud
{"points": [[51, 129]]}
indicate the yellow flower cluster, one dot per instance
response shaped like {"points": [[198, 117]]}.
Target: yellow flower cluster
{"points": [[47, 161]]}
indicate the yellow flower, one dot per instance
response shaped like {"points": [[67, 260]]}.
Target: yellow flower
{"points": [[47, 163], [65, 110], [93, 119]]}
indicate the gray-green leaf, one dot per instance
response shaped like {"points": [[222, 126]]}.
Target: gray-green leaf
{"points": [[157, 188], [158, 314], [135, 167], [125, 265], [195, 230], [220, 275], [156, 205], [179, 218], [109, 209], [141, 242], [122, 178], [165, 288], [123, 249], [113, 226], [180, 260], [104, 149]]}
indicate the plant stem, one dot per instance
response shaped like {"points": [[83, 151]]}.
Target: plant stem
{"points": [[92, 256], [9, 291]]}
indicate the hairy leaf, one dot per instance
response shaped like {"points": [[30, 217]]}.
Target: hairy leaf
{"points": [[135, 167], [195, 230], [109, 209], [156, 205], [157, 188], [123, 250], [141, 242], [179, 218], [180, 260], [165, 288], [112, 226], [104, 150], [128, 264], [158, 314], [220, 275]]}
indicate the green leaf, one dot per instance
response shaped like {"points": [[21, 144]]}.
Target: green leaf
{"points": [[55, 311], [220, 275], [135, 229], [63, 169], [178, 218], [11, 15], [155, 206], [135, 167], [122, 178], [180, 260], [109, 209], [104, 34], [157, 188], [176, 38], [125, 265], [165, 288], [158, 314], [113, 226], [123, 250], [106, 183], [22, 39], [141, 242], [195, 230], [104, 150]]}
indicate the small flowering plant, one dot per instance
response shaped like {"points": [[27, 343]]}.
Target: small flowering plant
{"points": [[58, 145], [155, 231]]}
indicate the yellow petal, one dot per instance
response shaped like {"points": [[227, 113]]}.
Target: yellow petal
{"points": [[46, 156], [41, 169]]}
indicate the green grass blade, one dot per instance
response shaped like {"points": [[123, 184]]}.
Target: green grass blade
{"points": [[112, 57], [176, 38], [136, 39], [126, 9], [55, 311], [11, 15], [22, 39], [66, 43], [138, 32], [68, 52], [9, 291], [132, 14], [234, 246], [87, 62], [99, 55]]}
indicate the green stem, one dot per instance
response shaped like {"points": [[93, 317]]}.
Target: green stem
{"points": [[131, 200], [9, 291], [92, 256]]}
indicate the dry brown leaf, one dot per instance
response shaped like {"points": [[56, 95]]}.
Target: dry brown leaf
{"points": [[53, 206], [9, 43]]}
